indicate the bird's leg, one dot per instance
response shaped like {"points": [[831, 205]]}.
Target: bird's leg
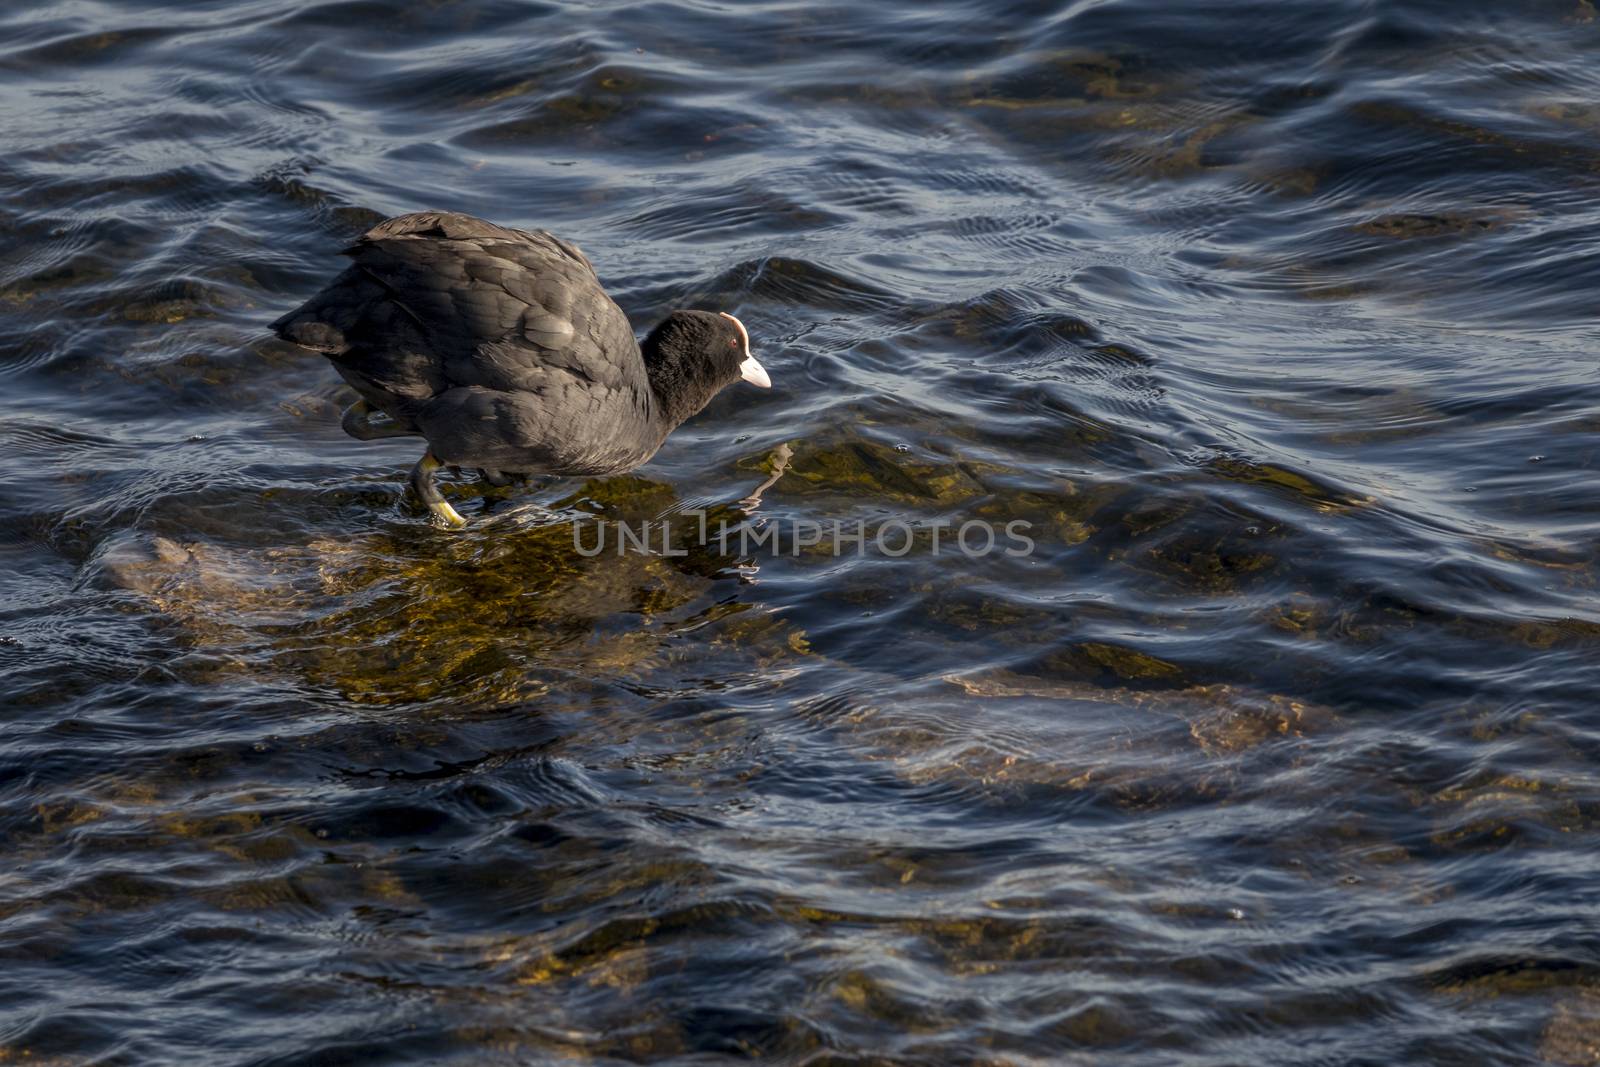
{"points": [[422, 482], [357, 424]]}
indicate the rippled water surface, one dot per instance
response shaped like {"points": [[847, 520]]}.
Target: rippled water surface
{"points": [[1276, 320]]}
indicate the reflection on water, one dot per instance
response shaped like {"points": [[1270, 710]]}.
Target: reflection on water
{"points": [[1274, 322]]}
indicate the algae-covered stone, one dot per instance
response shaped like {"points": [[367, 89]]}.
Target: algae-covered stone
{"points": [[1572, 1036], [878, 471], [405, 616], [1498, 810]]}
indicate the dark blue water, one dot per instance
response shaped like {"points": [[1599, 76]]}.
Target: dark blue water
{"points": [[1276, 321]]}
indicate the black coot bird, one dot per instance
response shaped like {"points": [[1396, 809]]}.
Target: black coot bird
{"points": [[500, 348]]}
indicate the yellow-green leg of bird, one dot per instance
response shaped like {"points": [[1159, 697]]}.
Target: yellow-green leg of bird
{"points": [[422, 482]]}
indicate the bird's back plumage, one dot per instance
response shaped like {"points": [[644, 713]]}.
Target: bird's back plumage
{"points": [[498, 345]]}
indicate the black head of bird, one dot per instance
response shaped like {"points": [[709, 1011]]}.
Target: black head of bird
{"points": [[691, 356]]}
